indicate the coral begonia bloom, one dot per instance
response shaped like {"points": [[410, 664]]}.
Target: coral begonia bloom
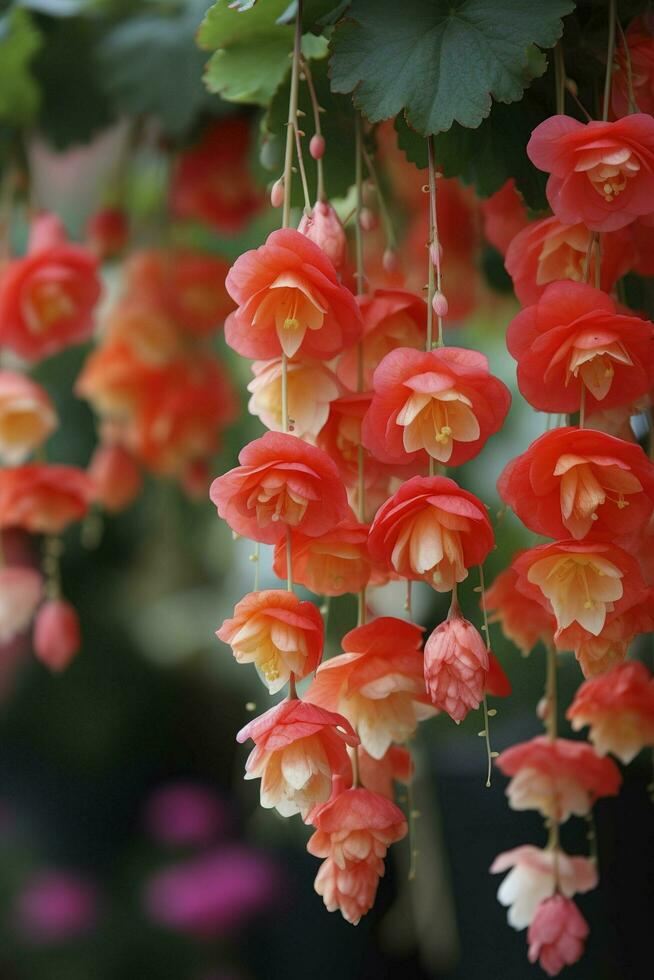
{"points": [[298, 748], [115, 381], [277, 632], [618, 707], [601, 173], [377, 683], [282, 482], [116, 477], [324, 227], [573, 337], [379, 775], [350, 890], [535, 875], [310, 388], [504, 215], [597, 654], [456, 664], [441, 404], [20, 593], [635, 69], [547, 251], [584, 582], [355, 825], [391, 318], [571, 481], [557, 934], [431, 529], [522, 620], [43, 498], [47, 298], [213, 183], [57, 634], [27, 417], [289, 299], [333, 563], [557, 777]]}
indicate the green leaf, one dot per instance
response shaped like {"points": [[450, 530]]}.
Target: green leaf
{"points": [[251, 51], [151, 65], [337, 123], [19, 93], [440, 61]]}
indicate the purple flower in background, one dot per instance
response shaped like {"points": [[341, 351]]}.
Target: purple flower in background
{"points": [[185, 814], [54, 906], [210, 895]]}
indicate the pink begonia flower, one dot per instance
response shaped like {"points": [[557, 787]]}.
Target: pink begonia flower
{"points": [[350, 890], [116, 477], [558, 777], [534, 876], [55, 906], [57, 634], [20, 593], [27, 417], [324, 227], [557, 934], [310, 388], [601, 173], [185, 813], [455, 665]]}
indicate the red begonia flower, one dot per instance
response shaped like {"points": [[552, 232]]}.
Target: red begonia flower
{"points": [[379, 774], [601, 173], [431, 529], [523, 621], [442, 404], [572, 481], [456, 665], [333, 563], [27, 416], [574, 337], [504, 215], [282, 482], [43, 498], [557, 934], [289, 299]]}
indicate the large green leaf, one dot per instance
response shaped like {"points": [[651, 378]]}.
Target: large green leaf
{"points": [[19, 93], [152, 65], [440, 61]]}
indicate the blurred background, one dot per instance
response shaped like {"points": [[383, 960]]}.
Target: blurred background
{"points": [[130, 847]]}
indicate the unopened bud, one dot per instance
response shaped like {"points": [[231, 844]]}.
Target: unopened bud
{"points": [[390, 261], [436, 254], [367, 219], [277, 193], [317, 147], [439, 303]]}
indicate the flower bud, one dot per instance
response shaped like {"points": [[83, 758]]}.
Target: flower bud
{"points": [[116, 477], [456, 664], [277, 193], [317, 147], [439, 303], [557, 935], [390, 261], [436, 254], [323, 226], [57, 636], [367, 219]]}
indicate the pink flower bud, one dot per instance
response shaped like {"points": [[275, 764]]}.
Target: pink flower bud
{"points": [[116, 477], [390, 260], [436, 254], [367, 219], [57, 636], [439, 303], [323, 226], [456, 663], [20, 593], [317, 147], [277, 193], [557, 934]]}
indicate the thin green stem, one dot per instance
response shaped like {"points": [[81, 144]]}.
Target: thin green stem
{"points": [[292, 117], [434, 250], [610, 53], [320, 169], [559, 75]]}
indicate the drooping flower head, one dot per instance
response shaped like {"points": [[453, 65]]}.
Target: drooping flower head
{"points": [[298, 748], [634, 69], [289, 300], [618, 707], [601, 173], [573, 338], [431, 529], [547, 251], [456, 665], [282, 482], [43, 498], [557, 934], [277, 632], [587, 583], [377, 683], [324, 227], [557, 777], [379, 775], [47, 297], [27, 417], [310, 388], [523, 620], [391, 318], [504, 215], [332, 563], [535, 875], [442, 404], [573, 481]]}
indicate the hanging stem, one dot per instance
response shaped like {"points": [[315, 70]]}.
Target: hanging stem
{"points": [[490, 755], [292, 117], [387, 221], [610, 53], [632, 104], [559, 75], [434, 249], [360, 280], [303, 173], [317, 109], [551, 693]]}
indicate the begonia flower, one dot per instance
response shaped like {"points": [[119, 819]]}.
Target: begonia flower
{"points": [[557, 934], [27, 417]]}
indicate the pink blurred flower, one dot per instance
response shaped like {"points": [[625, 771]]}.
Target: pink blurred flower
{"points": [[55, 906], [185, 813], [557, 935]]}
